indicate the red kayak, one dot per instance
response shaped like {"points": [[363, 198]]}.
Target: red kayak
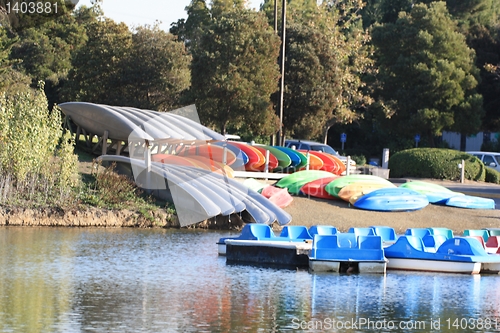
{"points": [[255, 157], [273, 161], [316, 188], [212, 152]]}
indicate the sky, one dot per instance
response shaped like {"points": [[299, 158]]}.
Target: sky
{"points": [[135, 13]]}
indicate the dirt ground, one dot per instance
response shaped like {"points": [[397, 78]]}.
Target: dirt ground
{"points": [[311, 211]]}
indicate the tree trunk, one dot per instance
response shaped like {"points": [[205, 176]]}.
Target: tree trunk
{"points": [[463, 142]]}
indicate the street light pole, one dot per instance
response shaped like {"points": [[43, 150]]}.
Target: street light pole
{"points": [[282, 80]]}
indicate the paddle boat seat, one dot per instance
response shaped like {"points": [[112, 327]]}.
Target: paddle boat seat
{"points": [[362, 232], [295, 232], [388, 234], [479, 238], [322, 230], [433, 242], [418, 232], [448, 233], [493, 232], [473, 232], [256, 231], [493, 244], [462, 246], [345, 247]]}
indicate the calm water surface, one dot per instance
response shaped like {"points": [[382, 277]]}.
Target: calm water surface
{"points": [[99, 280]]}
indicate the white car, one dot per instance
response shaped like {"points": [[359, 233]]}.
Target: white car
{"points": [[490, 159]]}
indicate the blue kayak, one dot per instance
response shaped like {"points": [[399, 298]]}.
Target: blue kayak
{"points": [[471, 202], [392, 200], [241, 157]]}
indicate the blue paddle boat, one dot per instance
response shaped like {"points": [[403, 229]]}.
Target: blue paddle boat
{"points": [[347, 253], [455, 255]]}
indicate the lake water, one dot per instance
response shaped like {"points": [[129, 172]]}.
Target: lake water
{"points": [[129, 280]]}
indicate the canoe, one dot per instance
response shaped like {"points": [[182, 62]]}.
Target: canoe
{"points": [[298, 159], [316, 188], [273, 161], [192, 205], [151, 121], [435, 193], [341, 165], [360, 188], [329, 164], [251, 197], [335, 186], [212, 165], [278, 196], [96, 119], [295, 181], [255, 157], [315, 162], [470, 202], [211, 152], [392, 200], [241, 157], [283, 158], [177, 160]]}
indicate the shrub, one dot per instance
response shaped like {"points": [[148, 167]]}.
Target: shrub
{"points": [[435, 163], [492, 176], [37, 163]]}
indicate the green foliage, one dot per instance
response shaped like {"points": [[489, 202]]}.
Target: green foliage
{"points": [[34, 163], [492, 176], [155, 71], [97, 67], [109, 189], [435, 163], [427, 74], [234, 72]]}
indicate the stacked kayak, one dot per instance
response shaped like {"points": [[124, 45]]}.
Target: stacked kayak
{"points": [[438, 194], [295, 181]]}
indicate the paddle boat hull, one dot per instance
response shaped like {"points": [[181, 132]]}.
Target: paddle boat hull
{"points": [[455, 255], [406, 264]]}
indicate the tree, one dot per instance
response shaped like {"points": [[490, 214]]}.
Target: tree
{"points": [[427, 73], [156, 70], [234, 72], [97, 67]]}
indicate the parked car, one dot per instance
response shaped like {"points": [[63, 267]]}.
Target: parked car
{"points": [[316, 146], [490, 159]]}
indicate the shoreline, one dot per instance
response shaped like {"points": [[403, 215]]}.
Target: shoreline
{"points": [[305, 211]]}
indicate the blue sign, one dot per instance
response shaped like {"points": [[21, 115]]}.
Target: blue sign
{"points": [[343, 137], [417, 138]]}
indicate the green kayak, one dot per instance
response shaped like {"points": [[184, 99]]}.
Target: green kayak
{"points": [[282, 157], [295, 181], [336, 185]]}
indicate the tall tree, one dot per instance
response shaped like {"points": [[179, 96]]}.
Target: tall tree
{"points": [[427, 73], [234, 71], [95, 76], [156, 70]]}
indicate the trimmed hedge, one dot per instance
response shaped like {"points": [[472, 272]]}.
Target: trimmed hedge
{"points": [[492, 176], [435, 163]]}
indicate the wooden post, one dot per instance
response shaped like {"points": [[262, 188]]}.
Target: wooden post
{"points": [[105, 143], [118, 147]]}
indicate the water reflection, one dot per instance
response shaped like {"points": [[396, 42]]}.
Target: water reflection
{"points": [[81, 280]]}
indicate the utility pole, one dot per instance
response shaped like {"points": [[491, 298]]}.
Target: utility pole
{"points": [[282, 81]]}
